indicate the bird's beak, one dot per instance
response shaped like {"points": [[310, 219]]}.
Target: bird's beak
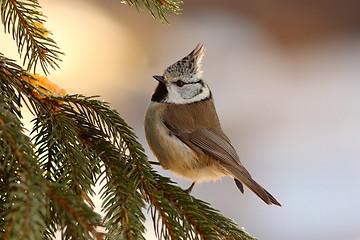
{"points": [[159, 79]]}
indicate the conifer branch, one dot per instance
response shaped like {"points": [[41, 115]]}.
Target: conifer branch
{"points": [[123, 203], [24, 21], [9, 75], [77, 220], [56, 135], [16, 91], [23, 198], [161, 7]]}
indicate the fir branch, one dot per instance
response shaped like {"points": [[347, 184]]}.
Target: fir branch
{"points": [[8, 72], [24, 21], [62, 155], [122, 203], [161, 7], [167, 220], [16, 91], [77, 220], [198, 219], [24, 200]]}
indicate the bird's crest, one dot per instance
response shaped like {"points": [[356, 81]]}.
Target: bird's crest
{"points": [[189, 67]]}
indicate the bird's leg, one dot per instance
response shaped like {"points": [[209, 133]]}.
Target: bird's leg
{"points": [[190, 188], [154, 163]]}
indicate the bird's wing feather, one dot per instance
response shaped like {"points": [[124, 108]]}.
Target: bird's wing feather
{"points": [[213, 143], [216, 145]]}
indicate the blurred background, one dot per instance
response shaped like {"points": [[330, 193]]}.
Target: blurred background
{"points": [[285, 75]]}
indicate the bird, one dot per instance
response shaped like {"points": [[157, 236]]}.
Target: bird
{"points": [[184, 133]]}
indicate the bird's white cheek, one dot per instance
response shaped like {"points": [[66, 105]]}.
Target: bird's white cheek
{"points": [[174, 95], [186, 95]]}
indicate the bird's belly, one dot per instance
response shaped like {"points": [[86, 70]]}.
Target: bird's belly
{"points": [[200, 174], [177, 157]]}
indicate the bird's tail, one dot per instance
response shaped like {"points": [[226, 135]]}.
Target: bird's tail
{"points": [[243, 177]]}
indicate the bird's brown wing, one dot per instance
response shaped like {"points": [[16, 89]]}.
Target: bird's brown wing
{"points": [[211, 142], [215, 144]]}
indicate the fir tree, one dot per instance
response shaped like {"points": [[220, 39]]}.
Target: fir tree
{"points": [[47, 180]]}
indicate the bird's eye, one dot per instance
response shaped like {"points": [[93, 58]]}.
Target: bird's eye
{"points": [[180, 83]]}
